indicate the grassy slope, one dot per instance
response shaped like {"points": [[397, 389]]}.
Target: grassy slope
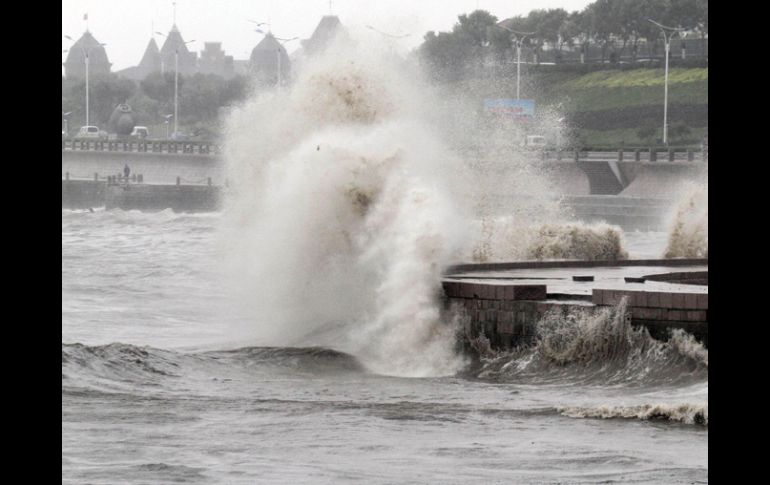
{"points": [[630, 98]]}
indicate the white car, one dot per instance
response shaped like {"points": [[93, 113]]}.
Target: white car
{"points": [[89, 132], [534, 141], [140, 132]]}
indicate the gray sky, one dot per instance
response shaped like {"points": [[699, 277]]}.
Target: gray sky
{"points": [[126, 26]]}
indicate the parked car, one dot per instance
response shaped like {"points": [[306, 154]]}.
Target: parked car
{"points": [[179, 136], [534, 142], [140, 132], [91, 132]]}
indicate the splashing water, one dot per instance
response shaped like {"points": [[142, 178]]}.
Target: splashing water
{"points": [[503, 239], [599, 346], [689, 228], [341, 218]]}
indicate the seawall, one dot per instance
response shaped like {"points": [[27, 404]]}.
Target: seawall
{"points": [[505, 305], [180, 198]]}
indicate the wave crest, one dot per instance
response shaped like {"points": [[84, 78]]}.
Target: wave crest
{"points": [[681, 413], [590, 346]]}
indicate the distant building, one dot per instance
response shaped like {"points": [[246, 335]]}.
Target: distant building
{"points": [[150, 63], [267, 59], [173, 46], [75, 64], [327, 29], [214, 61], [150, 60]]}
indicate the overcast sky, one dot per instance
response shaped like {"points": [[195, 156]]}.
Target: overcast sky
{"points": [[126, 25]]}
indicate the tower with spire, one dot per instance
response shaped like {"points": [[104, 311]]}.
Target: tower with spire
{"points": [[75, 64], [327, 30], [150, 60], [174, 42], [267, 58]]}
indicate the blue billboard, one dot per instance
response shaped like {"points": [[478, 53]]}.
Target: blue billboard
{"points": [[520, 109]]}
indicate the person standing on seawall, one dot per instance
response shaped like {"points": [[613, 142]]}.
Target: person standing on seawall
{"points": [[126, 172]]}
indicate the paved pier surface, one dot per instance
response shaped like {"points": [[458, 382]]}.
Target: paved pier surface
{"points": [[559, 280], [505, 301]]}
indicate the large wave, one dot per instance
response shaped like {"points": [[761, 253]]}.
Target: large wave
{"points": [[589, 347], [341, 214], [119, 367], [689, 225]]}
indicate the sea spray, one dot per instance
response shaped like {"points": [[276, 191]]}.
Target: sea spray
{"points": [[599, 346], [689, 224], [598, 241], [688, 413], [341, 217], [508, 239]]}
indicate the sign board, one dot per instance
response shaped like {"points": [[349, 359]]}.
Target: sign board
{"points": [[517, 109]]}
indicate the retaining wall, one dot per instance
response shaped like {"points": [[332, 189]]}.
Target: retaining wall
{"points": [[155, 167], [507, 315], [82, 194], [180, 198]]}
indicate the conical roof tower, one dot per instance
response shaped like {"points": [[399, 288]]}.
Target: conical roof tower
{"points": [[266, 58], [150, 60], [175, 43], [75, 64]]}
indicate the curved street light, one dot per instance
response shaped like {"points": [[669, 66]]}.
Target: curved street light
{"points": [[518, 38], [86, 56], [278, 57], [668, 34], [176, 81], [387, 34]]}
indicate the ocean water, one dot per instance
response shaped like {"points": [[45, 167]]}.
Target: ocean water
{"points": [[163, 383]]}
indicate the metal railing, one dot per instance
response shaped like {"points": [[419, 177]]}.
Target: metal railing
{"points": [[141, 146], [636, 155]]}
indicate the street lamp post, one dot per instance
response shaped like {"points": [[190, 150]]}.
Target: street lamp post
{"points": [[278, 80], [176, 81], [278, 57], [668, 34], [66, 116], [86, 50], [518, 38], [176, 90], [166, 122]]}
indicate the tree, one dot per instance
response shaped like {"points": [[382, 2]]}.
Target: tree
{"points": [[604, 22], [683, 13], [452, 55], [569, 30], [547, 24]]}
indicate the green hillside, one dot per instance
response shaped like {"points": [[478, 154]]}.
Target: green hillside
{"points": [[609, 107]]}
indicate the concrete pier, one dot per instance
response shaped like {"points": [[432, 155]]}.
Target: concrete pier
{"points": [[82, 194], [505, 303], [180, 198]]}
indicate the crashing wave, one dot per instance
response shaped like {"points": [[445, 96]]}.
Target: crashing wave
{"points": [[598, 241], [689, 231], [681, 413], [503, 240], [586, 345]]}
